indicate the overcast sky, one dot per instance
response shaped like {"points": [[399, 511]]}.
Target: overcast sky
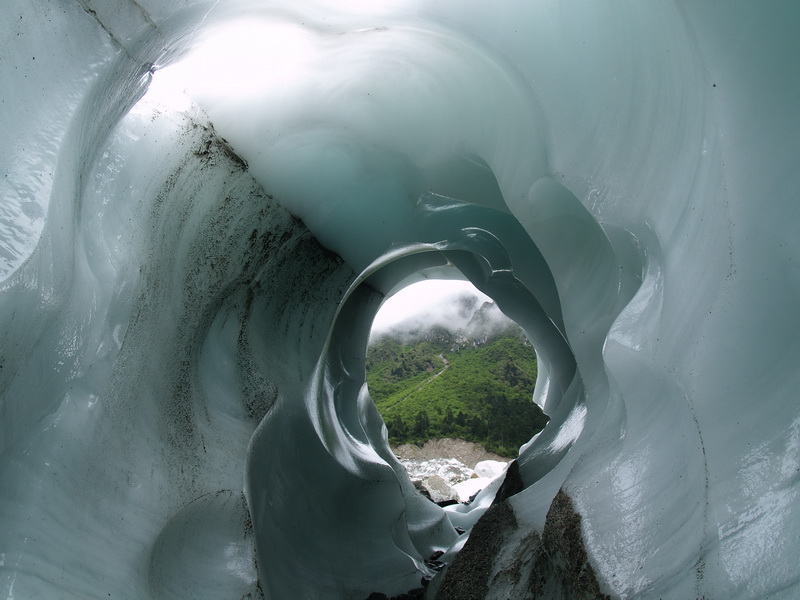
{"points": [[430, 302]]}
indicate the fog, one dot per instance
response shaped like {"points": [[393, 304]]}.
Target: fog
{"points": [[429, 304]]}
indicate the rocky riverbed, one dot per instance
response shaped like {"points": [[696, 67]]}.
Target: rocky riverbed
{"points": [[449, 470], [466, 452]]}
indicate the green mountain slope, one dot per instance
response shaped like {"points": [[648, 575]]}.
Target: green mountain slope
{"points": [[439, 386]]}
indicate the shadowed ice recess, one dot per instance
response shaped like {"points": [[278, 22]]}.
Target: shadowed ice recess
{"points": [[203, 205]]}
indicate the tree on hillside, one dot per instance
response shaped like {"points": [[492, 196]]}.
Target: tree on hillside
{"points": [[421, 425], [477, 428], [397, 428], [448, 422]]}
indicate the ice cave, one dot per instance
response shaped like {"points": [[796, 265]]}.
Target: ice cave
{"points": [[205, 202]]}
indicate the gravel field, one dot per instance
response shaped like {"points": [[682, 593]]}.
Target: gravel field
{"points": [[468, 453]]}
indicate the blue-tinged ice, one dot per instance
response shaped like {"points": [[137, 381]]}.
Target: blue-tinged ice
{"points": [[188, 279]]}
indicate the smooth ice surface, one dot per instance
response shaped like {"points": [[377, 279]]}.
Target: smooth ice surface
{"points": [[183, 318]]}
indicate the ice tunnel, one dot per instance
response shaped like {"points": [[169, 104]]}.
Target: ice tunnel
{"points": [[187, 287]]}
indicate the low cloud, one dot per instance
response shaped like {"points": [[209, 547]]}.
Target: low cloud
{"points": [[456, 306]]}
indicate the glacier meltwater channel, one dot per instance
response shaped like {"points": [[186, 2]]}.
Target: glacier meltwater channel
{"points": [[203, 204]]}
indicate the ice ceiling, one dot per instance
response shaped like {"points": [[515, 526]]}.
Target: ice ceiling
{"points": [[184, 317]]}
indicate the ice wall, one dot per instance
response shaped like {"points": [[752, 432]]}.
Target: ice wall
{"points": [[187, 290]]}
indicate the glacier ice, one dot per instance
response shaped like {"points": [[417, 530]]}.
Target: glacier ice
{"points": [[187, 291]]}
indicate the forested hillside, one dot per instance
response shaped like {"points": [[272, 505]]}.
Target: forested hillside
{"points": [[443, 385]]}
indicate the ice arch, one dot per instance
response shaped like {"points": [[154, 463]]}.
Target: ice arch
{"points": [[166, 320]]}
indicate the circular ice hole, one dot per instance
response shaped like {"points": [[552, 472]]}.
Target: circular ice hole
{"points": [[445, 366]]}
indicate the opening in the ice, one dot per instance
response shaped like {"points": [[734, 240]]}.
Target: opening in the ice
{"points": [[242, 61], [453, 379]]}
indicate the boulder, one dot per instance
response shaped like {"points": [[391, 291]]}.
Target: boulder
{"points": [[490, 468], [439, 490]]}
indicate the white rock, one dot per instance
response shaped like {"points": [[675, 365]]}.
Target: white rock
{"points": [[470, 487], [439, 489], [490, 468]]}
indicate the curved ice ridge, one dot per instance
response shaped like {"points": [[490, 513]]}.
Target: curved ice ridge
{"points": [[185, 305]]}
